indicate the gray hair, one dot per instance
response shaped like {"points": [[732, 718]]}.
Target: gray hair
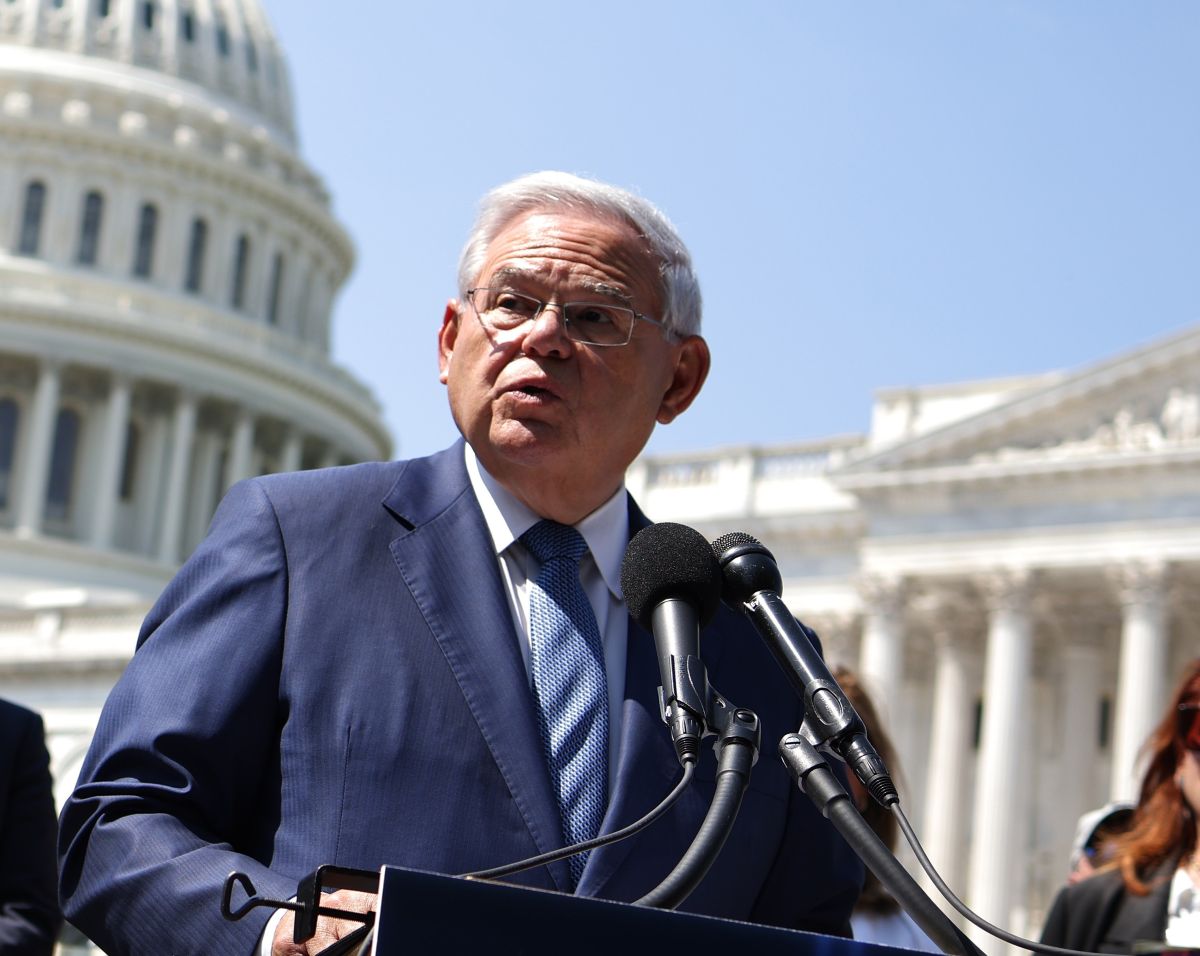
{"points": [[679, 287]]}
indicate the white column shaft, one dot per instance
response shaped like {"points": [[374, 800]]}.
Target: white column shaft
{"points": [[292, 448], [1142, 684], [241, 452], [35, 473], [949, 755], [881, 657], [177, 475], [998, 838], [112, 457]]}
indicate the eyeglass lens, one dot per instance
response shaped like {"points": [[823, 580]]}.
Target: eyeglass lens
{"points": [[589, 322]]}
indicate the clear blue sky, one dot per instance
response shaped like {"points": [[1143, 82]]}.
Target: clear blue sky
{"points": [[876, 194]]}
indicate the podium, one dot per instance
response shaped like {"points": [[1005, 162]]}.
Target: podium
{"points": [[427, 913]]}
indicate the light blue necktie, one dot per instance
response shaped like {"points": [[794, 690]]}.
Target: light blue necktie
{"points": [[569, 686]]}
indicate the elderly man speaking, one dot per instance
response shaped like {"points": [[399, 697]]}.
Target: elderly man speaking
{"points": [[369, 665]]}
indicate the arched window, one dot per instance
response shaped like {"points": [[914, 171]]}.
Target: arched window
{"points": [[10, 416], [241, 264], [133, 439], [103, 8], [143, 257], [31, 219], [194, 278], [251, 57], [89, 229], [222, 38], [62, 465], [148, 12], [187, 26], [275, 289]]}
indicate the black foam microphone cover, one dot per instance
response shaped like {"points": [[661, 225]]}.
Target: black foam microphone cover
{"points": [[668, 560]]}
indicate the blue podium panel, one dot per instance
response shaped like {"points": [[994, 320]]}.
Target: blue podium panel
{"points": [[421, 913]]}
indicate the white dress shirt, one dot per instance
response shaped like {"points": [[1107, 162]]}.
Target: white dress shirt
{"points": [[1183, 911], [606, 531]]}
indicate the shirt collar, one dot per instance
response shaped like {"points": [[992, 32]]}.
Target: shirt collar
{"points": [[606, 530]]}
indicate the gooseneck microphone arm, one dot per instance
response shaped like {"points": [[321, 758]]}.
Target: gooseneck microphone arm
{"points": [[752, 583], [814, 776], [738, 740]]}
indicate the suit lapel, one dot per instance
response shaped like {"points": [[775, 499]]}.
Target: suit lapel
{"points": [[447, 561]]}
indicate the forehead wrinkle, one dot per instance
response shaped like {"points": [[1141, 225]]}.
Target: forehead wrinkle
{"points": [[536, 276]]}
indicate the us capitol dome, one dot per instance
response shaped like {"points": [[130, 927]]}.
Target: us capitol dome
{"points": [[168, 265]]}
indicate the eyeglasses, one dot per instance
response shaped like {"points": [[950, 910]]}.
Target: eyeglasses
{"points": [[590, 323], [1189, 725]]}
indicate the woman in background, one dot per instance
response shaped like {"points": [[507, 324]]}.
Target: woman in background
{"points": [[1149, 890], [877, 917]]}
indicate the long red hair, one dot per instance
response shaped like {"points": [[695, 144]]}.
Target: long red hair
{"points": [[1163, 826]]}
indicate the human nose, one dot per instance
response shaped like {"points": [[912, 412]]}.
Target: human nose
{"points": [[547, 333]]}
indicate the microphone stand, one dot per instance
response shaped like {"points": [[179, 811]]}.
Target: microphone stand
{"points": [[818, 781], [738, 739]]}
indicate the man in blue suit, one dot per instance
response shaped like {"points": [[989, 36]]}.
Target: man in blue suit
{"points": [[342, 671]]}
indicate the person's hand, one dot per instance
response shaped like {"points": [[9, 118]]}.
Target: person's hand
{"points": [[329, 929]]}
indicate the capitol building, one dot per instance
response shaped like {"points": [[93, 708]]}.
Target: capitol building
{"points": [[168, 266], [1012, 566]]}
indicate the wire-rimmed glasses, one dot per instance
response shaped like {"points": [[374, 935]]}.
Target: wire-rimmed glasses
{"points": [[590, 323]]}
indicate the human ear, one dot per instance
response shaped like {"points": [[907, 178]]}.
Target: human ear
{"points": [[447, 336], [692, 361]]}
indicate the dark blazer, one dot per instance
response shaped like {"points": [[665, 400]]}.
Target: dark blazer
{"points": [[29, 916], [1099, 915], [334, 677]]}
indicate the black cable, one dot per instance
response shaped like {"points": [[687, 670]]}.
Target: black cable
{"points": [[733, 776], [689, 769], [1010, 938]]}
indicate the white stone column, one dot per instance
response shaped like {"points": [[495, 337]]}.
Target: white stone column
{"points": [[206, 473], [1142, 682], [293, 446], [127, 26], [184, 430], [1078, 748], [152, 478], [955, 685], [881, 656], [112, 458], [998, 837], [241, 448], [35, 470]]}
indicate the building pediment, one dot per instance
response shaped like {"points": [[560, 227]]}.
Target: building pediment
{"points": [[1138, 407]]}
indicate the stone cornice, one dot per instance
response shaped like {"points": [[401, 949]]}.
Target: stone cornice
{"points": [[66, 323], [1050, 469]]}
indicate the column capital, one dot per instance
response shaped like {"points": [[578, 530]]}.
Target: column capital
{"points": [[1140, 582], [1006, 589], [884, 593]]}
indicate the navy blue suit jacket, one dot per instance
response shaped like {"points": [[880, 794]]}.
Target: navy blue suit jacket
{"points": [[334, 677], [29, 917]]}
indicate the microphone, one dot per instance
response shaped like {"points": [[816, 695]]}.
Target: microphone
{"points": [[752, 583], [672, 587]]}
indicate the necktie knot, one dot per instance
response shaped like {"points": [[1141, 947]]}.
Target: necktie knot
{"points": [[548, 540]]}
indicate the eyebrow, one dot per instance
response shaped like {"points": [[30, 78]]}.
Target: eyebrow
{"points": [[513, 273]]}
